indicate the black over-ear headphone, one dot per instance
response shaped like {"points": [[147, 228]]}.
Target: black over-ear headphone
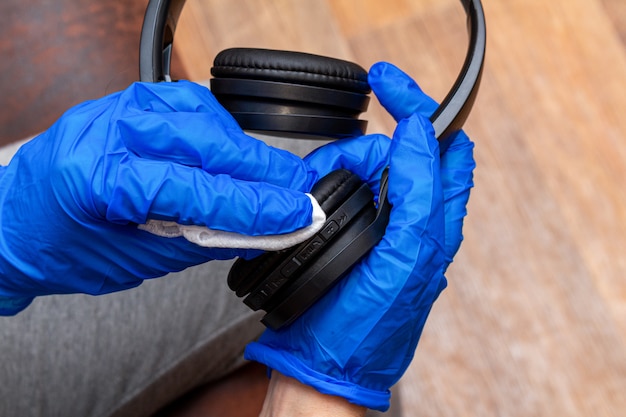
{"points": [[281, 91]]}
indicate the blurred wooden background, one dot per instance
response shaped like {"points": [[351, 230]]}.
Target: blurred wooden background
{"points": [[533, 322], [58, 53]]}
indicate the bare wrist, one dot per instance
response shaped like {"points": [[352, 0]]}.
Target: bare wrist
{"points": [[288, 397]]}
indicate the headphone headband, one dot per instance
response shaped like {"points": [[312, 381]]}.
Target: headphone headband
{"points": [[157, 37], [456, 106]]}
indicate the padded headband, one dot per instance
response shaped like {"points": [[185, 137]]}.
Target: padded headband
{"points": [[159, 26]]}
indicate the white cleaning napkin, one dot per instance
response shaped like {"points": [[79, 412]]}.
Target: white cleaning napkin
{"points": [[204, 236]]}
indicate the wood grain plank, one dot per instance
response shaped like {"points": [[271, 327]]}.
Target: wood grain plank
{"points": [[208, 26], [58, 54], [575, 95], [616, 11]]}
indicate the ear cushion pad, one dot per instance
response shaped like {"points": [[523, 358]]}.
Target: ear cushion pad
{"points": [[334, 188], [291, 67], [330, 192]]}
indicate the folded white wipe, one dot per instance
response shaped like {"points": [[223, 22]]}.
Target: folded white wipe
{"points": [[210, 238]]}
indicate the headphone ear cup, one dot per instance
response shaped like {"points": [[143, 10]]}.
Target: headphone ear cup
{"points": [[334, 188], [295, 92], [330, 192], [245, 274]]}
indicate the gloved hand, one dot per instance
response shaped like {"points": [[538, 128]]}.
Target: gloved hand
{"points": [[71, 199], [359, 339]]}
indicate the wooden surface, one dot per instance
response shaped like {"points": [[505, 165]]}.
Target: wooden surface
{"points": [[534, 320], [56, 54]]}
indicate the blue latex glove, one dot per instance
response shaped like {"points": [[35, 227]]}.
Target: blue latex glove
{"points": [[71, 199], [358, 340]]}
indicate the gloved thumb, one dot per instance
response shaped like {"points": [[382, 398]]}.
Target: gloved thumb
{"points": [[398, 93]]}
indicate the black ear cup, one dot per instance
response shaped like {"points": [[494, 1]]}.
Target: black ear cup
{"points": [[329, 192], [283, 91], [286, 283]]}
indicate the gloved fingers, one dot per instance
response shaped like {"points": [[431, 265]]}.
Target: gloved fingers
{"points": [[396, 274], [401, 96], [412, 248], [158, 256], [416, 224], [398, 93], [457, 166], [209, 142], [146, 189], [180, 96], [366, 156]]}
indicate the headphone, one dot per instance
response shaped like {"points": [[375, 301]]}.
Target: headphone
{"points": [[300, 93]]}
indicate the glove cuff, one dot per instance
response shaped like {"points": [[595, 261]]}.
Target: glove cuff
{"points": [[289, 365]]}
